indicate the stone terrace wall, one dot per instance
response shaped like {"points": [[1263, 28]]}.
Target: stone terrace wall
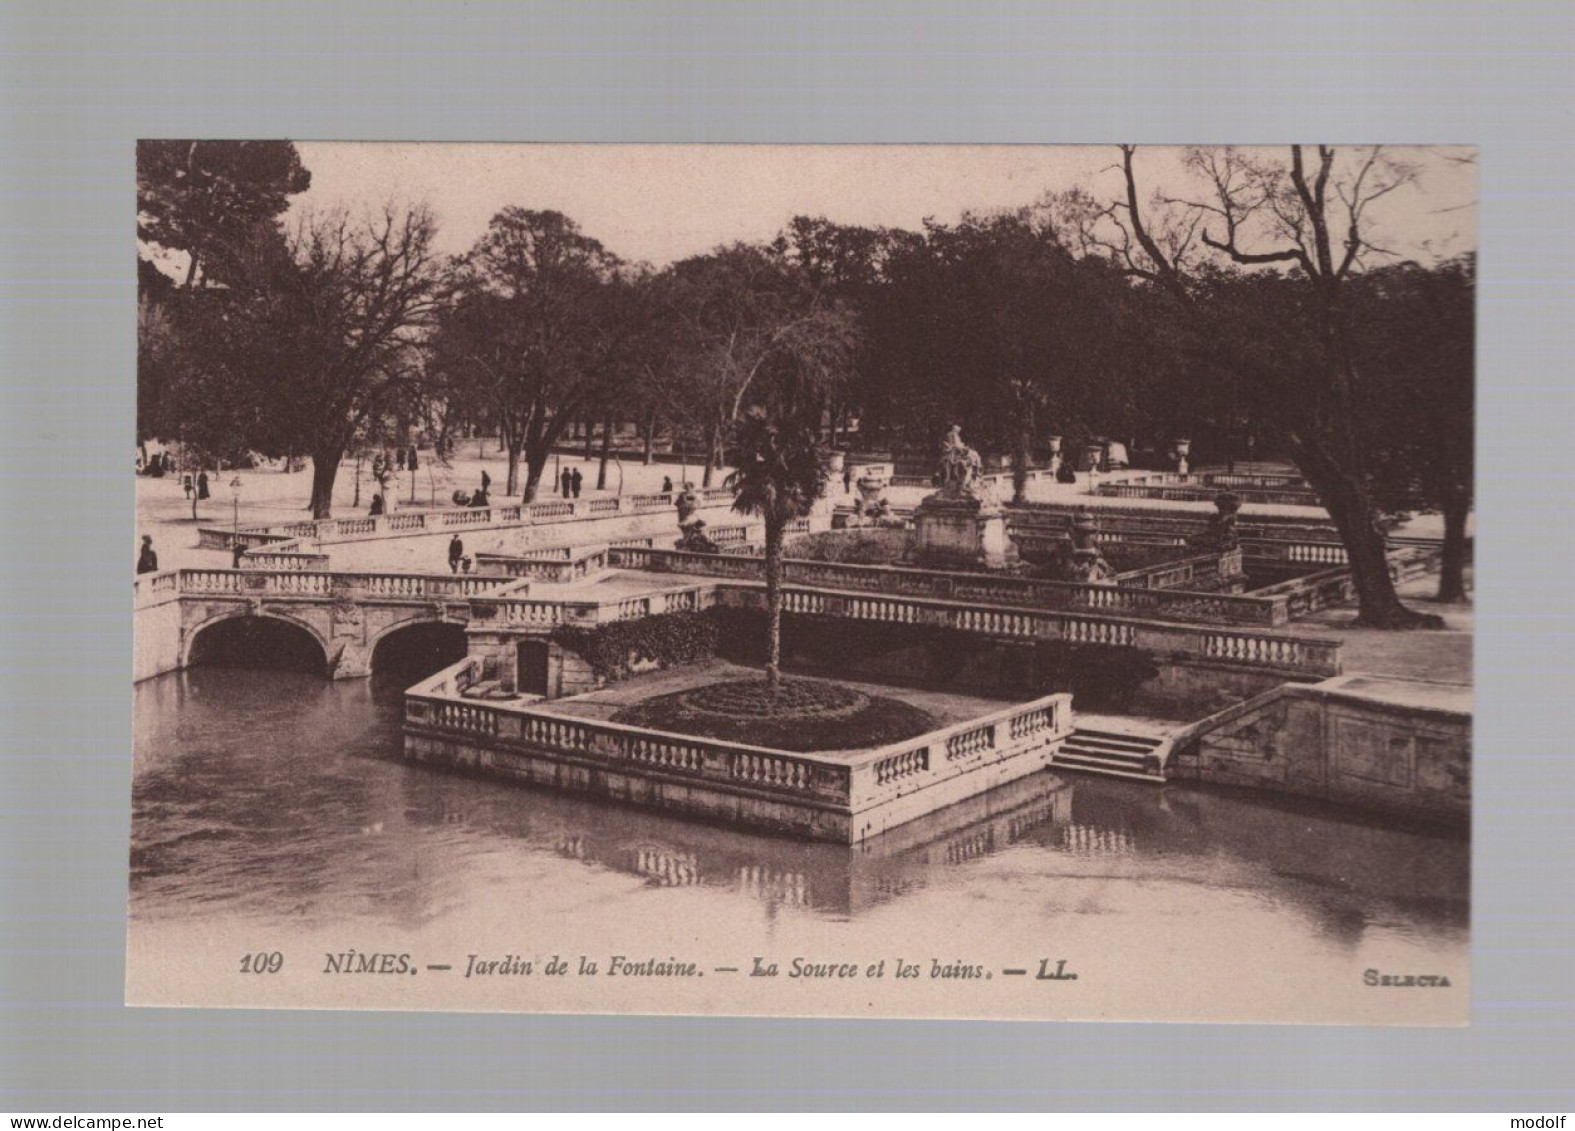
{"points": [[1334, 742]]}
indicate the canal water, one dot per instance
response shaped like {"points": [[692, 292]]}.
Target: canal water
{"points": [[272, 812]]}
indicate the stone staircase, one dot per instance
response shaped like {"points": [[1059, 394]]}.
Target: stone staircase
{"points": [[1139, 757]]}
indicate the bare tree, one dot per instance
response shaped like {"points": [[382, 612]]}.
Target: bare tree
{"points": [[1307, 218], [538, 327], [326, 329]]}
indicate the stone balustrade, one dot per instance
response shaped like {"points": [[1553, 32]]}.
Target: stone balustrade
{"points": [[1293, 655], [736, 766], [1139, 489], [455, 519], [324, 584], [534, 614], [151, 589], [884, 774], [575, 565], [271, 559], [841, 796], [1137, 598], [1202, 569]]}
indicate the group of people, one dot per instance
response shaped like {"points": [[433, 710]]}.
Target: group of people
{"points": [[383, 467], [571, 480], [199, 485], [403, 459], [157, 465]]}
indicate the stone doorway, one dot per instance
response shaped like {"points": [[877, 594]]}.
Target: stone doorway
{"points": [[531, 667]]}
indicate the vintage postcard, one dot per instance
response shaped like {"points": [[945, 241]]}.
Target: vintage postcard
{"points": [[1020, 582]]}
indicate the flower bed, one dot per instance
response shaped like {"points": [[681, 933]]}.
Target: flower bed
{"points": [[803, 715]]}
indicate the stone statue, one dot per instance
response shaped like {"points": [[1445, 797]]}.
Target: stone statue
{"points": [[1085, 563], [687, 503], [1221, 534], [694, 537], [960, 464]]}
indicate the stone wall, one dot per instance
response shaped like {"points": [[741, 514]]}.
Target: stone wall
{"points": [[1393, 746]]}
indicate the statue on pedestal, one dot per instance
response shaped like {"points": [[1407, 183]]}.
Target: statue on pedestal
{"points": [[1086, 563], [961, 526], [693, 538], [1221, 534], [961, 466]]}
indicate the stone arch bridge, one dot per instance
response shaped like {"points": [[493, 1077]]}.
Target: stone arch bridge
{"points": [[346, 614]]}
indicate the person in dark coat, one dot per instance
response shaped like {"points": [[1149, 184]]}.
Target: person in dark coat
{"points": [[148, 560], [847, 481], [378, 506], [456, 551], [412, 462], [567, 479], [486, 481], [399, 460], [667, 484], [235, 555], [576, 481], [202, 485]]}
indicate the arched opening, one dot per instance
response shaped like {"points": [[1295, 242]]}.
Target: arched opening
{"points": [[257, 642], [415, 651]]}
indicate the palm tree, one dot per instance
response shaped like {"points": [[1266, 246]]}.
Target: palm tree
{"points": [[782, 465]]}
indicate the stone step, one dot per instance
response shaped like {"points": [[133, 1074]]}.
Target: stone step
{"points": [[1110, 753], [1115, 743], [1065, 761]]}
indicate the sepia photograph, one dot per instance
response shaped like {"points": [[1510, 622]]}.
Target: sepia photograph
{"points": [[901, 581]]}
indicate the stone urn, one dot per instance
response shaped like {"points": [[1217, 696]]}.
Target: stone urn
{"points": [[1183, 447], [837, 462], [871, 489], [1055, 454]]}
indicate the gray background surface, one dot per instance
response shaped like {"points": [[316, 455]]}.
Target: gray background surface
{"points": [[79, 82]]}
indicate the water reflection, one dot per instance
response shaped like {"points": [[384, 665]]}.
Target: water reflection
{"points": [[280, 796]]}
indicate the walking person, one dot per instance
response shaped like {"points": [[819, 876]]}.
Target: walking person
{"points": [[148, 560], [202, 485], [567, 479], [411, 462], [486, 481], [456, 552], [576, 482], [667, 484]]}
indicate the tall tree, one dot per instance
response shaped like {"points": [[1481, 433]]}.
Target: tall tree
{"points": [[327, 329], [1306, 216], [1415, 334], [742, 312], [206, 198], [540, 322], [782, 466]]}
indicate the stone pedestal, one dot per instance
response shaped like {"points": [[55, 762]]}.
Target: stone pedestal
{"points": [[960, 529]]}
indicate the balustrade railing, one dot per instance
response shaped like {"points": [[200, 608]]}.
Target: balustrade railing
{"points": [[1157, 601], [1297, 655], [554, 568], [806, 777], [850, 782], [904, 767], [313, 584], [375, 526], [1274, 496]]}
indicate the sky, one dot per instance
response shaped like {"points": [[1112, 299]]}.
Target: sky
{"points": [[660, 203]]}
